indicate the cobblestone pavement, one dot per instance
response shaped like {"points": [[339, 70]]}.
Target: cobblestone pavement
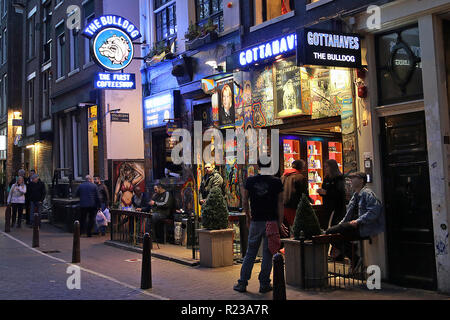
{"points": [[111, 273]]}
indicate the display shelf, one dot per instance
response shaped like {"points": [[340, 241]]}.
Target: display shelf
{"points": [[335, 152], [291, 148], [315, 172]]}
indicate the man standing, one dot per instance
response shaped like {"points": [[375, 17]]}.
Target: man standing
{"points": [[266, 205], [36, 195], [364, 217], [102, 193], [89, 204], [294, 185], [210, 180], [162, 206]]}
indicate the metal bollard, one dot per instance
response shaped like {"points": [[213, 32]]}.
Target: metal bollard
{"points": [[8, 219], [76, 243], [279, 285], [302, 257], [146, 272], [36, 231]]}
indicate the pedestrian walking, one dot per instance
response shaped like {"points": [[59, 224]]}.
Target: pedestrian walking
{"points": [[103, 193], [294, 185], [27, 197], [16, 199], [265, 194], [89, 204], [36, 195], [333, 192]]}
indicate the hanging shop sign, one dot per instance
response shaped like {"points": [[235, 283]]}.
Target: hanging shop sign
{"points": [[120, 117], [327, 48], [112, 41], [115, 81], [159, 110], [268, 50]]}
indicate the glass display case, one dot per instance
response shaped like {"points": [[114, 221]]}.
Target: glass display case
{"points": [[315, 170]]}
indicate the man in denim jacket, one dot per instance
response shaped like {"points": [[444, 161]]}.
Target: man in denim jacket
{"points": [[364, 217]]}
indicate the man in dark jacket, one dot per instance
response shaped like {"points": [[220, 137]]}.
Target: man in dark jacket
{"points": [[28, 211], [102, 193], [140, 200], [294, 184], [210, 180], [89, 204], [36, 194], [162, 205]]}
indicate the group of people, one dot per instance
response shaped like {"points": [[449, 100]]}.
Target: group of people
{"points": [[269, 200], [25, 193]]}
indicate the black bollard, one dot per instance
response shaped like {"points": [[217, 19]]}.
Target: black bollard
{"points": [[36, 231], [8, 219], [76, 243], [302, 257], [146, 272], [279, 285]]}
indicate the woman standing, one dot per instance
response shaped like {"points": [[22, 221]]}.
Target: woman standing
{"points": [[333, 191], [16, 197]]}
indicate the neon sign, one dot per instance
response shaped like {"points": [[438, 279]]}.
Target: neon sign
{"points": [[111, 21], [115, 81], [270, 49]]}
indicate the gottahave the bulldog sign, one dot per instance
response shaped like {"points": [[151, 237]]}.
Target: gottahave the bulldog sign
{"points": [[328, 48], [112, 41]]}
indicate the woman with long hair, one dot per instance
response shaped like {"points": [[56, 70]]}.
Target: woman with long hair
{"points": [[333, 191]]}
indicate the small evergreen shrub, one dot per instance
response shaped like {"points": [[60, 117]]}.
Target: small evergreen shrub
{"points": [[215, 211], [306, 220]]}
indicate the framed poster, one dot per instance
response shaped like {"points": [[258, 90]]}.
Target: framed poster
{"points": [[288, 91], [127, 175], [226, 103], [262, 97]]}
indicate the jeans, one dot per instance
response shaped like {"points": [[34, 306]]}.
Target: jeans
{"points": [[256, 234], [17, 210], [33, 206], [90, 214], [350, 233]]}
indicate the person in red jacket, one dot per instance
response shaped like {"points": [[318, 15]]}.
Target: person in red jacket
{"points": [[294, 184]]}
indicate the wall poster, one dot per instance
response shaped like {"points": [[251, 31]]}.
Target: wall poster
{"points": [[226, 103], [288, 91], [127, 175], [262, 97]]}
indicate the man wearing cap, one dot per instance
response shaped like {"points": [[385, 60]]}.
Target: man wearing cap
{"points": [[36, 195], [364, 217]]}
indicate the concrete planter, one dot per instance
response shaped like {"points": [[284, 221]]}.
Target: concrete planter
{"points": [[216, 247], [316, 268]]}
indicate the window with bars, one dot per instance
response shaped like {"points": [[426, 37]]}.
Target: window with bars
{"points": [[210, 10], [165, 21]]}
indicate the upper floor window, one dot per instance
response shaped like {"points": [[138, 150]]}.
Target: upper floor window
{"points": [[210, 10], [4, 7], [5, 46], [47, 33], [61, 50], [265, 10], [31, 35], [89, 15], [399, 66], [165, 20]]}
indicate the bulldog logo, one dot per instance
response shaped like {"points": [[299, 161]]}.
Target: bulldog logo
{"points": [[116, 49]]}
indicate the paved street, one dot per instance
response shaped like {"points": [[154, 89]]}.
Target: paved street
{"points": [[27, 273]]}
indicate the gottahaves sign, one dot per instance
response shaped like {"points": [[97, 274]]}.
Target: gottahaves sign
{"points": [[112, 41], [328, 48]]}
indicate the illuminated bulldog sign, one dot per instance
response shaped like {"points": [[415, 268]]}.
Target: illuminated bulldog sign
{"points": [[112, 41]]}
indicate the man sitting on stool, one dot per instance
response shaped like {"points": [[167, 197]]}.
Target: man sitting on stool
{"points": [[161, 205], [364, 217]]}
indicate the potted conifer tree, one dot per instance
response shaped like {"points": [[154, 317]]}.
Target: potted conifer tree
{"points": [[316, 268], [215, 240]]}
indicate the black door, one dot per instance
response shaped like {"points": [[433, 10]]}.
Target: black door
{"points": [[409, 223]]}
